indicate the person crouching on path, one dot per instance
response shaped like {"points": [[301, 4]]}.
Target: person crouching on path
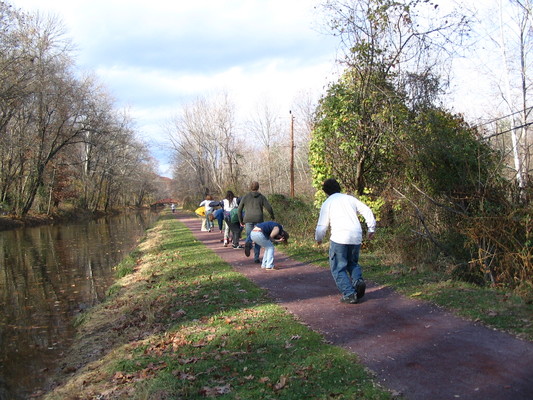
{"points": [[265, 234], [253, 204], [340, 213]]}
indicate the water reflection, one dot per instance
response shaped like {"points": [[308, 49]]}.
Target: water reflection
{"points": [[47, 276]]}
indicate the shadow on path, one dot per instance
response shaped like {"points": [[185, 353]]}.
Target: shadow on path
{"points": [[412, 346]]}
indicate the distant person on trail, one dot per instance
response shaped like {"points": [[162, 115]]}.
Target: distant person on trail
{"points": [[340, 212], [253, 204], [173, 208], [265, 234]]}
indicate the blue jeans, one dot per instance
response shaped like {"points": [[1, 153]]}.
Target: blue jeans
{"points": [[257, 248], [268, 248], [344, 265]]}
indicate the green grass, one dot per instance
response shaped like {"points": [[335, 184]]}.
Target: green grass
{"points": [[184, 324], [127, 265], [254, 353]]}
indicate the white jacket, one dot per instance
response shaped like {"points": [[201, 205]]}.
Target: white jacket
{"points": [[228, 206], [340, 212]]}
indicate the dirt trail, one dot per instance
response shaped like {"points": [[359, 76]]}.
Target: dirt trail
{"points": [[414, 348]]}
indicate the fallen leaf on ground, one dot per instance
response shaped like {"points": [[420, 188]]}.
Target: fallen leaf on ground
{"points": [[281, 383], [215, 391]]}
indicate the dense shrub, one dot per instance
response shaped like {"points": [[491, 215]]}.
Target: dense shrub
{"points": [[298, 216], [494, 248]]}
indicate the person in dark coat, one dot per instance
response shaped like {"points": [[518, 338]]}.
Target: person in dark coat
{"points": [[251, 212]]}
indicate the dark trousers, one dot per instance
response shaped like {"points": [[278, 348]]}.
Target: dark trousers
{"points": [[235, 229]]}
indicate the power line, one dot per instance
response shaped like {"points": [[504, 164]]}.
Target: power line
{"points": [[505, 116], [508, 130]]}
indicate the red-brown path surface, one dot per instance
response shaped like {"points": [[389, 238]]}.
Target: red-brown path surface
{"points": [[414, 348]]}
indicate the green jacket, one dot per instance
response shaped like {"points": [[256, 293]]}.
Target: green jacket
{"points": [[253, 205]]}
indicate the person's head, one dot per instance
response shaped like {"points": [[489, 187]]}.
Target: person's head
{"points": [[209, 197], [284, 236], [254, 186], [331, 186], [230, 196]]}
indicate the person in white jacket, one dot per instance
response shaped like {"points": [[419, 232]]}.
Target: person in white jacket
{"points": [[229, 203], [208, 223], [340, 212]]}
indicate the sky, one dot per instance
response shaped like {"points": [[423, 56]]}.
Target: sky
{"points": [[154, 57]]}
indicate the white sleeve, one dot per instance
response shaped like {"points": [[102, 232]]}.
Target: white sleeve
{"points": [[367, 214], [322, 224]]}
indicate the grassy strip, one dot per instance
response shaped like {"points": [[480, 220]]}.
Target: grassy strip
{"points": [[494, 307], [184, 324]]}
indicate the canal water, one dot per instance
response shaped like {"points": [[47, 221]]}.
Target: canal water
{"points": [[48, 276]]}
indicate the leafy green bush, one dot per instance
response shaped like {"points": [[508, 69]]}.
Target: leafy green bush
{"points": [[297, 215]]}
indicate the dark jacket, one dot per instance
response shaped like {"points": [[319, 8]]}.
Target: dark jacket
{"points": [[268, 226], [253, 204]]}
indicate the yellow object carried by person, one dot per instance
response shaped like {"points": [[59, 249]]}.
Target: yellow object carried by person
{"points": [[200, 211]]}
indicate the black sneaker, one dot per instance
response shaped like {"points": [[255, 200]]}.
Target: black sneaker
{"points": [[351, 299], [247, 248], [237, 247], [360, 287], [258, 261]]}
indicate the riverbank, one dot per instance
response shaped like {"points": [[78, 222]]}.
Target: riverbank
{"points": [[49, 275], [185, 324], [62, 216]]}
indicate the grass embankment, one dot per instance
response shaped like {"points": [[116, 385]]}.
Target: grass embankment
{"points": [[66, 214], [184, 324]]}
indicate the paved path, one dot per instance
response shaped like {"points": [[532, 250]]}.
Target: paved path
{"points": [[414, 348]]}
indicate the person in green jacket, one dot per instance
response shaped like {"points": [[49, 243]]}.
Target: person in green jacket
{"points": [[250, 211]]}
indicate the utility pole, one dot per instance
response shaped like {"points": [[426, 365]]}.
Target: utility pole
{"points": [[292, 154]]}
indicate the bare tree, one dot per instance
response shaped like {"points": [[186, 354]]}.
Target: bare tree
{"points": [[266, 128], [203, 137], [391, 37], [51, 122], [53, 116], [515, 42], [303, 111], [16, 62], [224, 120], [504, 63], [16, 73]]}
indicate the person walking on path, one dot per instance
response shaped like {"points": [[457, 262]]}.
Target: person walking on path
{"points": [[253, 204], [208, 211], [341, 213], [265, 234], [231, 203]]}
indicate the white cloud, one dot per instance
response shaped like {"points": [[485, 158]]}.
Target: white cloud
{"points": [[156, 56]]}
